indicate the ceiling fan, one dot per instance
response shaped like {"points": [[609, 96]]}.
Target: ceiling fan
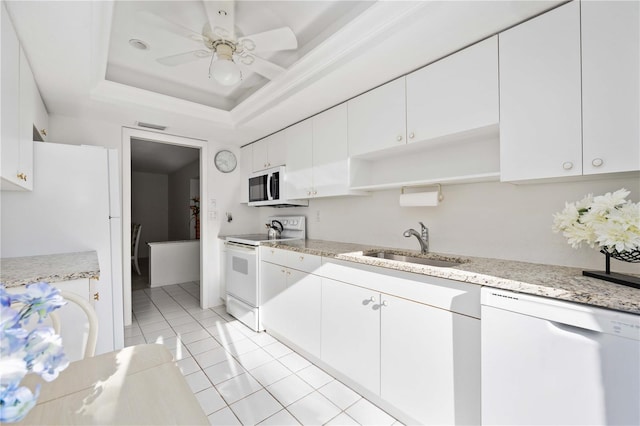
{"points": [[230, 54]]}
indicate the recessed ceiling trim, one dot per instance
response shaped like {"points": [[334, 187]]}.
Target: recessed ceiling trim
{"points": [[354, 38], [109, 91]]}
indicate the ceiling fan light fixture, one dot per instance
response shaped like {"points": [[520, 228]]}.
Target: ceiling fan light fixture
{"points": [[225, 72], [222, 68]]}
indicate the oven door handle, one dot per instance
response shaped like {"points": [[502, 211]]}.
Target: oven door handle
{"points": [[240, 247]]}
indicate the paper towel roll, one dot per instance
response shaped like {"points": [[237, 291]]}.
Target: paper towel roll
{"points": [[419, 199]]}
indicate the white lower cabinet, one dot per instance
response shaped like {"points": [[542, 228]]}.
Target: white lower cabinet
{"points": [[429, 362], [74, 325], [290, 305], [351, 332], [409, 342]]}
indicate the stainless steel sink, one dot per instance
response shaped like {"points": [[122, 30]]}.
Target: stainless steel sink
{"points": [[413, 259]]}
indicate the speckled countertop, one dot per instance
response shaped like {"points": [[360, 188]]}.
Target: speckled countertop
{"points": [[558, 282], [17, 271]]}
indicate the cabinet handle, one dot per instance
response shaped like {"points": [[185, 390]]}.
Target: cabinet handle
{"points": [[399, 138], [96, 296], [283, 271], [43, 131], [412, 135], [315, 192], [268, 164], [567, 165], [597, 162], [372, 299], [288, 272], [22, 176], [384, 303], [308, 192], [301, 258]]}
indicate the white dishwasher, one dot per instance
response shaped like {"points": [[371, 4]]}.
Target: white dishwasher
{"points": [[548, 362]]}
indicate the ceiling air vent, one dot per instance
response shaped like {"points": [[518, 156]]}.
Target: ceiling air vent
{"points": [[151, 126]]}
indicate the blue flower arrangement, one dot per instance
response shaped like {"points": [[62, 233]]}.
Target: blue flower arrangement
{"points": [[21, 351]]}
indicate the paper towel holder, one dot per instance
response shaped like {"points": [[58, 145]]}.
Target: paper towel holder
{"points": [[440, 196]]}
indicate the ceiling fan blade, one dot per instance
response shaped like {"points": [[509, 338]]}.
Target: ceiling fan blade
{"points": [[260, 66], [221, 15], [278, 39], [183, 58], [170, 26]]}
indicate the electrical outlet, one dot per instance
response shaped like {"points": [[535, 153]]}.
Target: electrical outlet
{"points": [[317, 215]]}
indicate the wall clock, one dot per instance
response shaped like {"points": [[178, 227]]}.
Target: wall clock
{"points": [[225, 161]]}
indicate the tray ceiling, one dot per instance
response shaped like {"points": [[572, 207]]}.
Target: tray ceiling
{"points": [[311, 21]]}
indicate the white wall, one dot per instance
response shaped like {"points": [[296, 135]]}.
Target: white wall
{"points": [[497, 220], [180, 221], [149, 207]]}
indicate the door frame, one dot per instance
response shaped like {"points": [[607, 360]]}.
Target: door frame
{"points": [[127, 134]]}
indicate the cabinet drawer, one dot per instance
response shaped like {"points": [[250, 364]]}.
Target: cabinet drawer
{"points": [[454, 296], [303, 262], [273, 255]]}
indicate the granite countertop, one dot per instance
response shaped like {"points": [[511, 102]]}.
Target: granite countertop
{"points": [[17, 271], [558, 282]]}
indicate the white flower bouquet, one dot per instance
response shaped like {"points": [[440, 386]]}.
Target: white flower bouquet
{"points": [[22, 351], [610, 222]]}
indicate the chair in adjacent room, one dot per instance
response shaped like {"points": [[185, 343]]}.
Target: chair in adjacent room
{"points": [[136, 229]]}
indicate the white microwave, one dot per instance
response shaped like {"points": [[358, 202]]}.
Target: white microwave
{"points": [[268, 188]]}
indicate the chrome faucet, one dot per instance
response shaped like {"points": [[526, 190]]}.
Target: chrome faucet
{"points": [[423, 237]]}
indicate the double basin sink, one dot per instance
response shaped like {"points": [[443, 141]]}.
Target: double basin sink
{"points": [[429, 260]]}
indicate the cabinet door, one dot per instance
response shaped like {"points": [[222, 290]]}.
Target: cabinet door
{"points": [[259, 155], [302, 299], [10, 103], [377, 119], [272, 304], [299, 177], [457, 93], [540, 106], [610, 86], [277, 150], [41, 119], [331, 152], [246, 157], [430, 362], [28, 97], [351, 332]]}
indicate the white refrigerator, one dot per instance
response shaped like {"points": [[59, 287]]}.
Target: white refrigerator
{"points": [[74, 206]]}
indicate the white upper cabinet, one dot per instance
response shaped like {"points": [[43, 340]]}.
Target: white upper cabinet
{"points": [[24, 116], [377, 119], [10, 104], [299, 172], [330, 152], [610, 86], [29, 97], [246, 154], [455, 94], [269, 152], [540, 97], [317, 156]]}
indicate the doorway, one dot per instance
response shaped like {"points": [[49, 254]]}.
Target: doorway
{"points": [[133, 140]]}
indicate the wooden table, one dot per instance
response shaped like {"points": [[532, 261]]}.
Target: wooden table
{"points": [[136, 385]]}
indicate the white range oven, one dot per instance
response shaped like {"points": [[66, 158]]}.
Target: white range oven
{"points": [[243, 266]]}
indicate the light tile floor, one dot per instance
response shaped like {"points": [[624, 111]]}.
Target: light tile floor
{"points": [[237, 375]]}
